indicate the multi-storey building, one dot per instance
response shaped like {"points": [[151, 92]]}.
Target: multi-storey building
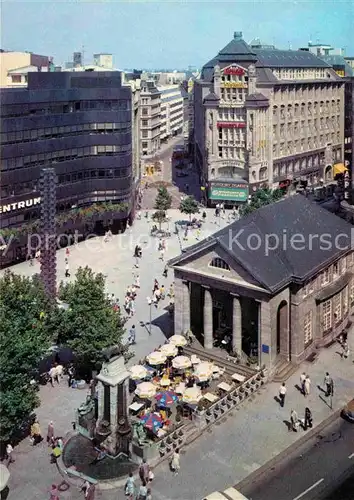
{"points": [[81, 124], [15, 66], [266, 117], [172, 111], [150, 100]]}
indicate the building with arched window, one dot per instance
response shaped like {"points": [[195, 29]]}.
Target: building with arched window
{"points": [[272, 286]]}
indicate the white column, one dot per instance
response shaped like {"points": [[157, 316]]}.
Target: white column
{"points": [[236, 325], [208, 319], [186, 313]]}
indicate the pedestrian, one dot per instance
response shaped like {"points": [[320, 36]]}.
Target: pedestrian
{"points": [[165, 272], [308, 419], [204, 215], [144, 470], [294, 421], [50, 433], [162, 254], [185, 237], [67, 252], [52, 375], [302, 382], [139, 215], [67, 271], [36, 435], [162, 292], [9, 453], [137, 281], [133, 291], [142, 491], [171, 293], [130, 487], [328, 383], [197, 236], [54, 492], [175, 462], [132, 307], [345, 353], [149, 496], [132, 335], [282, 393], [307, 385]]}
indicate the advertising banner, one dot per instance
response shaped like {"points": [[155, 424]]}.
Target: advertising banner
{"points": [[234, 85], [230, 192], [231, 124], [234, 71]]}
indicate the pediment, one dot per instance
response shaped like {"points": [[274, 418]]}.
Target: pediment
{"points": [[201, 264]]}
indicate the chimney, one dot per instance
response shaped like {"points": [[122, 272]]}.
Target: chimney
{"points": [[238, 35]]}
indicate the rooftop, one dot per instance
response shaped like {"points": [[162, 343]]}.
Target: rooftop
{"points": [[312, 229]]}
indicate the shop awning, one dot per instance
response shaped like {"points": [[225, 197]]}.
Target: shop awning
{"points": [[339, 168]]}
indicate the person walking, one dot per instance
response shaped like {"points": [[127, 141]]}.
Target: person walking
{"points": [[36, 434], [165, 272], [142, 495], [130, 487], [149, 496], [132, 335], [345, 347], [53, 494], [307, 385], [9, 454], [162, 254], [52, 375], [67, 270], [175, 462], [144, 471], [282, 393], [294, 419], [302, 382], [308, 419], [50, 433], [328, 383]]}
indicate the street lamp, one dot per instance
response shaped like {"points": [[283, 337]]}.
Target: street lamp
{"points": [[149, 301], [178, 236]]}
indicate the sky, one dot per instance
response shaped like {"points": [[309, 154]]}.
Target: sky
{"points": [[166, 34]]}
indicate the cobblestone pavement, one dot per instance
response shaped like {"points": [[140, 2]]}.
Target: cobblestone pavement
{"points": [[224, 455]]}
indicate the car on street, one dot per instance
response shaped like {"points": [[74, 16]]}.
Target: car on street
{"points": [[348, 411]]}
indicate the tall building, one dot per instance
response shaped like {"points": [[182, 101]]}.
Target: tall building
{"points": [[266, 117], [81, 124], [103, 60], [77, 59], [172, 111], [150, 99], [15, 66]]}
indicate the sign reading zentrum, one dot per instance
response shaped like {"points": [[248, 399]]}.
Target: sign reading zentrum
{"points": [[229, 191], [10, 207]]}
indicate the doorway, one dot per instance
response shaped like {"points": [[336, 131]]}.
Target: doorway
{"points": [[283, 337]]}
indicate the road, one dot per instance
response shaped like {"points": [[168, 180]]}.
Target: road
{"points": [[314, 471]]}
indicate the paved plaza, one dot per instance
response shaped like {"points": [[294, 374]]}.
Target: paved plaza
{"points": [[224, 455]]}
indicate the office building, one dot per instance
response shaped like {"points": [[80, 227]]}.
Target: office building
{"points": [[265, 117], [15, 66], [103, 60], [150, 99], [81, 124], [172, 111]]}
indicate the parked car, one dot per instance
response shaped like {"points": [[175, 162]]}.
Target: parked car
{"points": [[348, 411]]}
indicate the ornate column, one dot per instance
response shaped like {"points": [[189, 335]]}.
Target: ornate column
{"points": [[236, 325], [208, 318], [186, 312]]}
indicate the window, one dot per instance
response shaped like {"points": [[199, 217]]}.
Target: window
{"points": [[16, 78], [219, 263], [335, 270], [337, 307], [345, 300], [327, 315], [308, 328], [325, 277]]}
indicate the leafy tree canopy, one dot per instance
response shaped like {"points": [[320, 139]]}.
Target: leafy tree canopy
{"points": [[89, 324], [163, 199], [25, 335], [189, 205], [261, 198]]}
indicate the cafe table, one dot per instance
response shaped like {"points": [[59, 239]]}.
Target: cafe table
{"points": [[210, 397], [238, 377], [135, 407], [224, 387]]}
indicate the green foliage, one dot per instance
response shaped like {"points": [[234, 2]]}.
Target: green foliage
{"points": [[25, 313], [163, 200], [89, 324], [159, 216], [261, 198], [189, 205]]}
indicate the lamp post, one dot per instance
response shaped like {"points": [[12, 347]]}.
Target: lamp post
{"points": [[178, 236], [149, 301]]}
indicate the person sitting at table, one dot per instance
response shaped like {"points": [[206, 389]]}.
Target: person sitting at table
{"points": [[163, 415]]}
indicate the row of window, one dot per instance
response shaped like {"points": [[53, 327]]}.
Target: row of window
{"points": [[11, 110], [50, 132], [291, 167], [237, 153], [232, 114], [310, 92], [330, 274], [309, 127], [309, 109], [233, 95], [63, 155], [300, 145], [300, 73], [231, 135]]}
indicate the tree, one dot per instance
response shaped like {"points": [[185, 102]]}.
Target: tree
{"points": [[163, 202], [25, 335], [261, 198], [89, 324], [189, 205]]}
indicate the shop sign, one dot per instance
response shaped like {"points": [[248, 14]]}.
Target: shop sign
{"points": [[231, 124], [19, 205], [234, 71], [234, 85], [346, 185], [237, 192]]}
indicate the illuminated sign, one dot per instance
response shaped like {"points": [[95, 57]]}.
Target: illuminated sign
{"points": [[234, 85], [231, 124], [19, 205], [347, 185], [229, 192], [234, 71]]}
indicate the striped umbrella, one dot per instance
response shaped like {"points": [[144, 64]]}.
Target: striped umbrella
{"points": [[153, 421], [167, 398], [169, 350], [178, 340]]}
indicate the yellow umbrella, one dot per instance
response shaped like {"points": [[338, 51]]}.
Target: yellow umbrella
{"points": [[169, 350], [192, 394], [137, 372], [204, 371], [178, 340], [145, 390], [181, 362], [156, 358]]}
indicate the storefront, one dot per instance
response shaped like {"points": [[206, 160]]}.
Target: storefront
{"points": [[229, 193]]}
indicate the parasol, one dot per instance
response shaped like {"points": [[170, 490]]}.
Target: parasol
{"points": [[181, 362], [169, 350], [178, 340], [156, 358], [145, 390], [138, 372]]}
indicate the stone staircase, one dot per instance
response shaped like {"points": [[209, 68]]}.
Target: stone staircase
{"points": [[220, 360], [283, 370]]}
